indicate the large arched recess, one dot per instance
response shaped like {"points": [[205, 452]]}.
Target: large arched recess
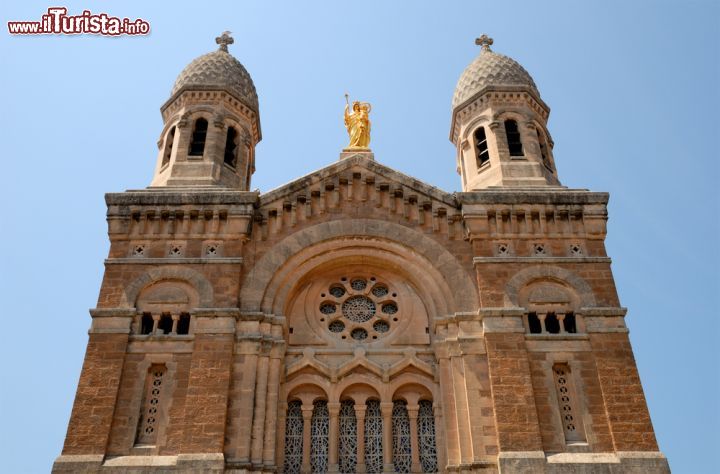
{"points": [[445, 286]]}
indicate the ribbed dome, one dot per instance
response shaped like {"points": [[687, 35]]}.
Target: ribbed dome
{"points": [[217, 70], [490, 69]]}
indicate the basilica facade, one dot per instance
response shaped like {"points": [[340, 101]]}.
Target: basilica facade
{"points": [[358, 319]]}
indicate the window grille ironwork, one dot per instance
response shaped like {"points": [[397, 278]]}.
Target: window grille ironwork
{"points": [[380, 291], [373, 438], [319, 430], [348, 437], [358, 285], [402, 451], [293, 438], [426, 437]]}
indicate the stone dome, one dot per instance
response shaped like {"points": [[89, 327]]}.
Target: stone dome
{"points": [[219, 70], [490, 69]]}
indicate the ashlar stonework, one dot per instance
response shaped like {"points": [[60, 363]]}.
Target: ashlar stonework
{"points": [[358, 319]]}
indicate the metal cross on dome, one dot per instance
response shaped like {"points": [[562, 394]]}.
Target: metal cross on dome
{"points": [[485, 41], [224, 40]]}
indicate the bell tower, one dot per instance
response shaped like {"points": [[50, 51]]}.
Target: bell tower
{"points": [[499, 125], [211, 124]]}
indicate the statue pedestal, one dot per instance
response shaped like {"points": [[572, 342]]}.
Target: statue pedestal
{"points": [[364, 152]]}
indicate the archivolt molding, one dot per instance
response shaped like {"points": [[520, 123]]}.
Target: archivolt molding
{"points": [[194, 278], [426, 263], [548, 273]]}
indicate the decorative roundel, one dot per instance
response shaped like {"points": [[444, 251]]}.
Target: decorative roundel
{"points": [[336, 326], [389, 308], [358, 309], [381, 326], [363, 305]]}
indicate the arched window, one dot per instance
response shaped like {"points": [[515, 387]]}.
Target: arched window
{"points": [[513, 138], [426, 435], [543, 149], [402, 451], [373, 438], [197, 144], [293, 438], [231, 147], [481, 148], [319, 429], [348, 437], [169, 141]]}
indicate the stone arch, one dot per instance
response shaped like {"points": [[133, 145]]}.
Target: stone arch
{"points": [[551, 273], [308, 389], [426, 385], [194, 278], [469, 128], [263, 284], [358, 388]]}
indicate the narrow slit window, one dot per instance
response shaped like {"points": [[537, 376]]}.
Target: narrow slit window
{"points": [[481, 147], [166, 323], [167, 152], [552, 324], [569, 323], [183, 326], [569, 414], [197, 144], [543, 150], [513, 138], [146, 323], [293, 438], [231, 147], [319, 430], [534, 323]]}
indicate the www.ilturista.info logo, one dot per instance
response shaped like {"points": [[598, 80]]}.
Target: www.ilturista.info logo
{"points": [[58, 22]]}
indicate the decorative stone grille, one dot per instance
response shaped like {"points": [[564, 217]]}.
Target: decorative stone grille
{"points": [[402, 453], [570, 419], [359, 334], [380, 291], [358, 309], [390, 308], [327, 308], [337, 291], [373, 438], [147, 429], [348, 437], [426, 437], [358, 285], [293, 438], [381, 326], [319, 429]]}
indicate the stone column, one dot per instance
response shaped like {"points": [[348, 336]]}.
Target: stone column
{"points": [[439, 438], [307, 411], [334, 411], [386, 410], [175, 319], [245, 375], [414, 441], [271, 406], [448, 403], [360, 415], [258, 425]]}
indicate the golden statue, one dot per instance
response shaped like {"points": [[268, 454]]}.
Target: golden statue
{"points": [[358, 124]]}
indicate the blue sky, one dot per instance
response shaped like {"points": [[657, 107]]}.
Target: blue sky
{"points": [[634, 92]]}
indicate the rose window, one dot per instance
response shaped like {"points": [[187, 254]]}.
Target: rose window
{"points": [[358, 309]]}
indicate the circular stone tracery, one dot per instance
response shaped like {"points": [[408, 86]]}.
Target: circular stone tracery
{"points": [[358, 309], [361, 308]]}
